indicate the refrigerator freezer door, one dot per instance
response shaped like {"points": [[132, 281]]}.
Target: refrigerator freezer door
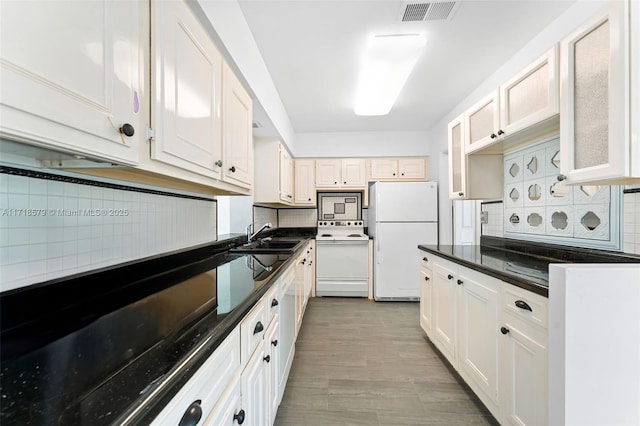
{"points": [[395, 258], [406, 202]]}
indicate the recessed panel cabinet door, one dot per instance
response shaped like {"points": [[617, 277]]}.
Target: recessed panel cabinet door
{"points": [[237, 133], [187, 91], [71, 76], [444, 311]]}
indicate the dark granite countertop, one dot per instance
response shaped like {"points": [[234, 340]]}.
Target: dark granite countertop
{"points": [[109, 346], [522, 263]]}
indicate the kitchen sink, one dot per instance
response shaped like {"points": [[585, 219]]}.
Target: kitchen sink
{"points": [[268, 245]]}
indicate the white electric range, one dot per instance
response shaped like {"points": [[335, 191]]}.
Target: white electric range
{"points": [[342, 259]]}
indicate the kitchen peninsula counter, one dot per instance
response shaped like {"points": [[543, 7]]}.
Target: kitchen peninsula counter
{"points": [[521, 263]]}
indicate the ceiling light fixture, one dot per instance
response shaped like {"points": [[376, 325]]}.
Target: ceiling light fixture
{"points": [[387, 63]]}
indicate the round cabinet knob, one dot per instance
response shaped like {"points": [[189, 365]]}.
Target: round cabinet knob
{"points": [[345, 182], [426, 278], [193, 414], [218, 163], [500, 132], [127, 130], [239, 417], [561, 178], [493, 136], [460, 282], [394, 174], [267, 358], [504, 330], [335, 183], [449, 276], [402, 174], [232, 169], [274, 342], [309, 199], [460, 194]]}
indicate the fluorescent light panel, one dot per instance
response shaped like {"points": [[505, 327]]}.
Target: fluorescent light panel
{"points": [[387, 64]]}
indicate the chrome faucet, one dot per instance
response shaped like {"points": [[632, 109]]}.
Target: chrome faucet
{"points": [[251, 236]]}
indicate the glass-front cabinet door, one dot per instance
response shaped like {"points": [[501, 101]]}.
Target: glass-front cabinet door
{"points": [[457, 163], [595, 93]]}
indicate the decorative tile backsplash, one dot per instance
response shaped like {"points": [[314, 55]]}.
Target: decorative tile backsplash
{"points": [[262, 215], [53, 228], [630, 224], [298, 218]]}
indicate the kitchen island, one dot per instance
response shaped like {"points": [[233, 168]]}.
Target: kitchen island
{"points": [[116, 345]]}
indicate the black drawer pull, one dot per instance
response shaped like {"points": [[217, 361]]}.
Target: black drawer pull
{"points": [[274, 342], [193, 414], [259, 328], [274, 302], [449, 276], [523, 305], [504, 330], [239, 417], [460, 282], [425, 259], [267, 358]]}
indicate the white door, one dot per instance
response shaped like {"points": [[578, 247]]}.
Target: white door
{"points": [[72, 75], [444, 311], [406, 202], [425, 301], [304, 184], [354, 172], [253, 385], [328, 172], [395, 246]]}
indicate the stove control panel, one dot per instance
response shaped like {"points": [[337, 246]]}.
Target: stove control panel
{"points": [[339, 223]]}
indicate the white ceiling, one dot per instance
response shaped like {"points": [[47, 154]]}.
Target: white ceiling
{"points": [[312, 50]]}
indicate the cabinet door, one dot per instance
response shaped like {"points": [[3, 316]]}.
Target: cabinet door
{"points": [[228, 409], [328, 173], [481, 123], [412, 168], [524, 380], [383, 168], [304, 182], [478, 334], [457, 163], [253, 387], [272, 394], [425, 301], [354, 172], [187, 91], [286, 176], [594, 69], [237, 131], [286, 343], [72, 76], [299, 290], [531, 96], [444, 311]]}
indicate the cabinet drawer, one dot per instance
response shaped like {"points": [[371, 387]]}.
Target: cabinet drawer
{"points": [[252, 330], [425, 261], [228, 409], [207, 384], [271, 303], [530, 307]]}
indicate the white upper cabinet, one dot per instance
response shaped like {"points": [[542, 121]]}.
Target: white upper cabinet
{"points": [[398, 169], [599, 82], [72, 76], [532, 95], [519, 109], [187, 91], [471, 176], [482, 122], [237, 136], [274, 173], [340, 173], [304, 182], [286, 175]]}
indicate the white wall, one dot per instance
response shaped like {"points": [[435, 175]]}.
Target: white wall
{"points": [[362, 144]]}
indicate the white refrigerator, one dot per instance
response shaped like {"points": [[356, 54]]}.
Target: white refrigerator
{"points": [[401, 216]]}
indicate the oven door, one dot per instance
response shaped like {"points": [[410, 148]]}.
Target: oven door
{"points": [[342, 259]]}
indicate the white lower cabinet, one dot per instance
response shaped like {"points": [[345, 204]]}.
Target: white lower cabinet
{"points": [[228, 411], [523, 355], [253, 382], [272, 358], [493, 333], [286, 344]]}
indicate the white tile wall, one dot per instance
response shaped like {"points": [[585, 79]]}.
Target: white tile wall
{"points": [[61, 239], [631, 223], [298, 218], [262, 215], [495, 225]]}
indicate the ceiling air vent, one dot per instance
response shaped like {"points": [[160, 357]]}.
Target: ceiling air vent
{"points": [[432, 11]]}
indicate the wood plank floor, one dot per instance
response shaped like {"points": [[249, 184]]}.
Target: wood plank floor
{"points": [[359, 362]]}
